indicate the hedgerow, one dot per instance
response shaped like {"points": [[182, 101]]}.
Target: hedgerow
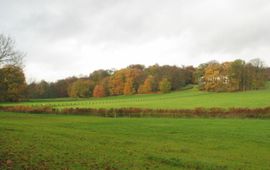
{"points": [[141, 112]]}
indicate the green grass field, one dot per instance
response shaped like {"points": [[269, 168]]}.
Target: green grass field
{"points": [[42, 141], [47, 141], [185, 99]]}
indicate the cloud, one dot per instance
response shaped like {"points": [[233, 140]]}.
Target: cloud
{"points": [[64, 38]]}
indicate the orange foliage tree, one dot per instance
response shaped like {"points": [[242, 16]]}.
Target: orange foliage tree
{"points": [[147, 86], [117, 82], [126, 81], [129, 87], [99, 91]]}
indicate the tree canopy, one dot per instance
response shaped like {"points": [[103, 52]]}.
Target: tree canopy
{"points": [[12, 79], [12, 83], [237, 75], [232, 76]]}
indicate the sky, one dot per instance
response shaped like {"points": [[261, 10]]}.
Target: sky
{"points": [[63, 38]]}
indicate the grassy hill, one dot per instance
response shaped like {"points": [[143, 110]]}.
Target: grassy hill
{"points": [[42, 141], [189, 98]]}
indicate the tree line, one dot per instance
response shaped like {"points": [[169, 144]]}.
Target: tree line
{"points": [[232, 76], [237, 75], [134, 79]]}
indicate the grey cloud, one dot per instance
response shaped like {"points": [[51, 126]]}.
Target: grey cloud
{"points": [[82, 30]]}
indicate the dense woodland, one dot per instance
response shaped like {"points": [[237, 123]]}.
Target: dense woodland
{"points": [[138, 79], [232, 76]]}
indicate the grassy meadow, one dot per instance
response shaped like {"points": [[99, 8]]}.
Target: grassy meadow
{"points": [[49, 141], [184, 99], [42, 141]]}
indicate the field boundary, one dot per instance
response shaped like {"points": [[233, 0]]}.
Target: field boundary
{"points": [[141, 112]]}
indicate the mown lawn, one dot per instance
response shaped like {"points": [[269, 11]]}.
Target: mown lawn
{"points": [[42, 141], [186, 99]]}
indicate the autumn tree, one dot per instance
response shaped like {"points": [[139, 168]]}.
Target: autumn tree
{"points": [[147, 86], [99, 91], [165, 86], [129, 87], [212, 77], [126, 81], [117, 83], [233, 76], [81, 88], [199, 75], [12, 83], [135, 77], [156, 72]]}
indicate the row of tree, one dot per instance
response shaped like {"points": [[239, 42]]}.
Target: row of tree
{"points": [[137, 79], [232, 76], [134, 79]]}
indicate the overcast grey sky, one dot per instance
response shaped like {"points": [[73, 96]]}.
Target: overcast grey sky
{"points": [[72, 37]]}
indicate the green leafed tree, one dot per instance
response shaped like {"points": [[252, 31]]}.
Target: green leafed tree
{"points": [[98, 75], [165, 86], [81, 88]]}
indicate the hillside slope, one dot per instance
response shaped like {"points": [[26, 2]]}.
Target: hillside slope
{"points": [[190, 98]]}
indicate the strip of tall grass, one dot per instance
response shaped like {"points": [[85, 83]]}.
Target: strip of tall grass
{"points": [[141, 112]]}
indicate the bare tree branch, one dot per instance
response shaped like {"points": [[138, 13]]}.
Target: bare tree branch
{"points": [[8, 53]]}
